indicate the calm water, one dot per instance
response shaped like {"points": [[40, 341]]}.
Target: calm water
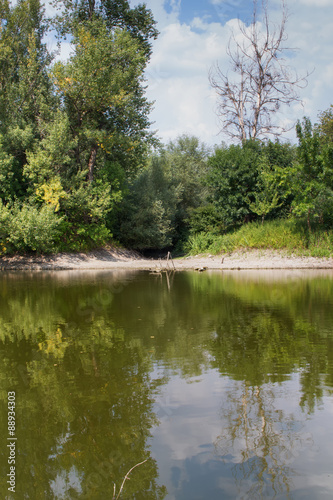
{"points": [[222, 382]]}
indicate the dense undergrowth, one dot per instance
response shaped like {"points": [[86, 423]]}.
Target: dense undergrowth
{"points": [[288, 235]]}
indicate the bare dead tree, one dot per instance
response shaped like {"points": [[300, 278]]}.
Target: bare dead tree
{"points": [[261, 80]]}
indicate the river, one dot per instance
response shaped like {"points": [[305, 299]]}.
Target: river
{"points": [[215, 385]]}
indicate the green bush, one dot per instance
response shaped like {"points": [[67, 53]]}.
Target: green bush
{"points": [[83, 237], [205, 218], [29, 228]]}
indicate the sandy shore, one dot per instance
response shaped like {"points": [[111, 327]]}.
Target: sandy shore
{"points": [[124, 259]]}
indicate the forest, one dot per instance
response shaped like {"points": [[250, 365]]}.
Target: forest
{"points": [[80, 167]]}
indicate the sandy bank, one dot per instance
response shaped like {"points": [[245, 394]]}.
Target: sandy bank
{"points": [[124, 259]]}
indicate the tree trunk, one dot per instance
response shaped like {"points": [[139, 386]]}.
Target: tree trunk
{"points": [[91, 9], [308, 221], [91, 163]]}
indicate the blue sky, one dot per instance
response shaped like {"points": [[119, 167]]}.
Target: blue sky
{"points": [[194, 35], [212, 11]]}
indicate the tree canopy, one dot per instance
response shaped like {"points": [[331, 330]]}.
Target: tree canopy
{"points": [[71, 132]]}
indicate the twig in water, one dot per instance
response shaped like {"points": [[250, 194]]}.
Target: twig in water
{"points": [[124, 480], [170, 257]]}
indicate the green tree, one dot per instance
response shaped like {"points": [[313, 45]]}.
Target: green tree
{"points": [[71, 134], [137, 21], [149, 211], [164, 195], [26, 100], [266, 198], [251, 179], [187, 161], [102, 80], [313, 175], [233, 177], [326, 124], [124, 121]]}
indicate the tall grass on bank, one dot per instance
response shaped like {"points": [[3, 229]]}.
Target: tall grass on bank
{"points": [[288, 235]]}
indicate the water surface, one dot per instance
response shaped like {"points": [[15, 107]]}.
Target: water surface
{"points": [[222, 382]]}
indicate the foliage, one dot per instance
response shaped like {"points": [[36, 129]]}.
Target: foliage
{"points": [[205, 218], [137, 21], [325, 126], [249, 180], [287, 235], [51, 193], [26, 99], [52, 156], [9, 185], [233, 175], [27, 228], [266, 196], [162, 197], [187, 162], [72, 133], [313, 176], [100, 87], [76, 150], [148, 215]]}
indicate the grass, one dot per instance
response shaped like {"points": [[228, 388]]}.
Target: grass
{"points": [[288, 235]]}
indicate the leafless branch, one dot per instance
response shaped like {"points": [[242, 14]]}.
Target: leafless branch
{"points": [[124, 480], [261, 80]]}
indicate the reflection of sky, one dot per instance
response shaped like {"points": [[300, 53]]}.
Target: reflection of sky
{"points": [[192, 460], [188, 413], [65, 482]]}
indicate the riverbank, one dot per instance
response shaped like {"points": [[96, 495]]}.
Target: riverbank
{"points": [[114, 258]]}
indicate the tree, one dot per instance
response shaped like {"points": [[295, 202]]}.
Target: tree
{"points": [[267, 196], [137, 21], [26, 99], [313, 175], [233, 176], [326, 125], [261, 82], [100, 87], [156, 211], [187, 161], [149, 211], [73, 133], [112, 45], [251, 179]]}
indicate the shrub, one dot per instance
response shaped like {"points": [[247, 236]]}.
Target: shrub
{"points": [[29, 228]]}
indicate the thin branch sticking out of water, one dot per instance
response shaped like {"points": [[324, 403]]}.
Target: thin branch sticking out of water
{"points": [[124, 480]]}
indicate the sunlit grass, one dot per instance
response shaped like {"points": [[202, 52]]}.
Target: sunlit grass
{"points": [[287, 235]]}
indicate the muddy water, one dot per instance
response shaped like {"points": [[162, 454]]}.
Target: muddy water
{"points": [[220, 383]]}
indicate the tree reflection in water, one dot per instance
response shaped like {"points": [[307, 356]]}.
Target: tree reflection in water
{"points": [[261, 440]]}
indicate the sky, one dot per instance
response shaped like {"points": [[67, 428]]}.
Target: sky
{"points": [[194, 35]]}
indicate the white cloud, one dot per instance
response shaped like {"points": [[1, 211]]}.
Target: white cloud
{"points": [[311, 29], [317, 3], [178, 79], [184, 53]]}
